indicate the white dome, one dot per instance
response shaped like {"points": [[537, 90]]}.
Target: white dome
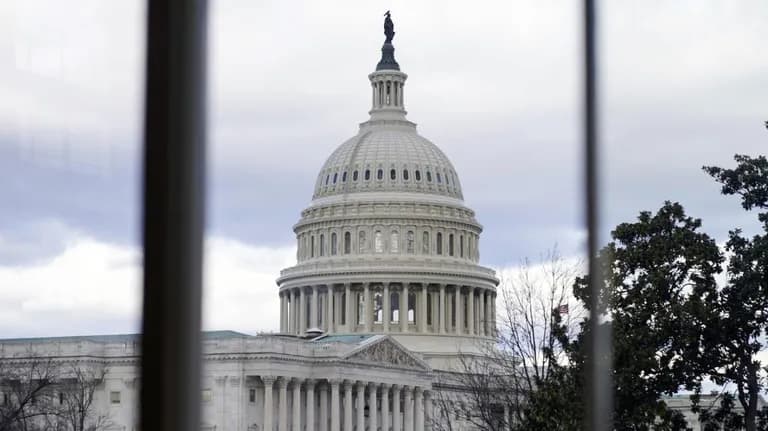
{"points": [[388, 156]]}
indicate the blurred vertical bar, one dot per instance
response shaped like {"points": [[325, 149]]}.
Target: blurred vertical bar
{"points": [[174, 205], [599, 366]]}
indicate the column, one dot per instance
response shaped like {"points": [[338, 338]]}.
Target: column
{"points": [[385, 407], [302, 311], [282, 312], [471, 310], [324, 408], [309, 388], [296, 407], [419, 404], [372, 410], [442, 309], [397, 421], [330, 315], [282, 415], [423, 307], [493, 314], [360, 406], [313, 310], [266, 424], [404, 308], [481, 311], [457, 312], [335, 406], [294, 311], [348, 307], [347, 405], [428, 409], [387, 307], [367, 307], [408, 403]]}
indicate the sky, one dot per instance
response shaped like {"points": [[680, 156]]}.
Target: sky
{"points": [[495, 84]]}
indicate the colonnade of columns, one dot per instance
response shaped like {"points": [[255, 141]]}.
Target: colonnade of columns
{"points": [[387, 93], [354, 405], [369, 307]]}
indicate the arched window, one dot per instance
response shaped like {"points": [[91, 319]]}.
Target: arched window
{"points": [[450, 244], [378, 242], [322, 244], [354, 176], [425, 243], [335, 177], [417, 174], [446, 180], [429, 176], [394, 301], [409, 240], [312, 246], [333, 244], [380, 174], [392, 174], [394, 245], [439, 245], [327, 178], [347, 243], [378, 308], [461, 246], [344, 177], [438, 177], [367, 174], [405, 174], [361, 245]]}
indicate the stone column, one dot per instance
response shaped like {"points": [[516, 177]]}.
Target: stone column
{"points": [[385, 407], [372, 410], [408, 403], [471, 311], [387, 307], [335, 406], [302, 311], [267, 421], [428, 409], [294, 311], [350, 323], [419, 405], [442, 308], [324, 408], [397, 421], [313, 309], [309, 388], [493, 314], [404, 308], [457, 312], [329, 315], [282, 416], [296, 407], [347, 405], [282, 312], [360, 406], [423, 307], [367, 307]]}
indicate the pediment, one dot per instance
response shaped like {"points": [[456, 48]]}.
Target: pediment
{"points": [[388, 352]]}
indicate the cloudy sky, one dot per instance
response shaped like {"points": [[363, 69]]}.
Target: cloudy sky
{"points": [[495, 85]]}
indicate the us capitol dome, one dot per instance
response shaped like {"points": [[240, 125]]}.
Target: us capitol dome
{"points": [[387, 245]]}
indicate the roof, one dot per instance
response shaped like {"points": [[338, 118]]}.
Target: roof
{"points": [[346, 339], [113, 338]]}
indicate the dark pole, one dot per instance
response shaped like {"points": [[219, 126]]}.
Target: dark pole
{"points": [[599, 384], [174, 204]]}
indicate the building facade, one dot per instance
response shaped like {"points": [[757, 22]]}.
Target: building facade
{"points": [[386, 293]]}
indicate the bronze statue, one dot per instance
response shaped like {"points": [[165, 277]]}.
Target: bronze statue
{"points": [[389, 28]]}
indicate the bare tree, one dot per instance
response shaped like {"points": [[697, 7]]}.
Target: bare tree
{"points": [[26, 388], [77, 388], [488, 390]]}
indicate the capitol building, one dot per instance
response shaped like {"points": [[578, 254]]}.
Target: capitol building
{"points": [[386, 295]]}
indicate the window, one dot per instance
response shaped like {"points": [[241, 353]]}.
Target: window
{"points": [[367, 174], [461, 246], [207, 395], [380, 174], [61, 398], [405, 174], [378, 242], [394, 246], [252, 395], [322, 245], [333, 244], [361, 243], [417, 174], [394, 305], [437, 174], [425, 243], [327, 178], [378, 308], [430, 297], [6, 399], [114, 397], [429, 176], [354, 176], [312, 246], [411, 307], [347, 243], [439, 245], [392, 174], [450, 244], [335, 176], [409, 240], [344, 177]]}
